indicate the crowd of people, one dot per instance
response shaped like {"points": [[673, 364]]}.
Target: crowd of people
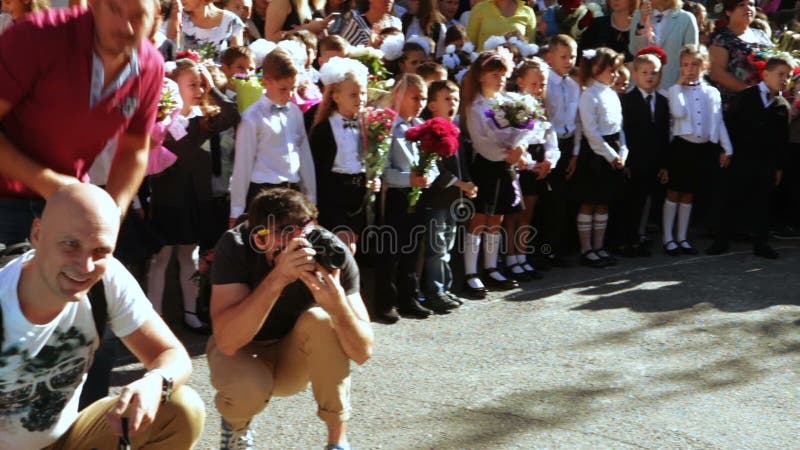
{"points": [[275, 142]]}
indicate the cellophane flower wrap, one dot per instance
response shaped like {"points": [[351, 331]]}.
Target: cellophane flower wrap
{"points": [[437, 138], [377, 135], [516, 119], [169, 106], [248, 90], [380, 80]]}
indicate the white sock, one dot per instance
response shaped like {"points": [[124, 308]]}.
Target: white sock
{"points": [[684, 213], [585, 231], [668, 219], [523, 260], [511, 260], [491, 248], [599, 234], [472, 246]]}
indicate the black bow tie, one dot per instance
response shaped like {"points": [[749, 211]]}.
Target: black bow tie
{"points": [[351, 123], [659, 17], [279, 108]]}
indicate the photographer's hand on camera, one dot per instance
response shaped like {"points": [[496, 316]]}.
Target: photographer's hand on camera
{"points": [[295, 259], [326, 289]]}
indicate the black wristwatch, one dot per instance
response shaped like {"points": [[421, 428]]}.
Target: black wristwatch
{"points": [[166, 384]]}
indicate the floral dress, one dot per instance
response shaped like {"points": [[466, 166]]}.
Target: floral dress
{"points": [[211, 43], [739, 51]]}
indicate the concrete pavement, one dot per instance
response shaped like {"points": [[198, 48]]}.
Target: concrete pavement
{"points": [[657, 352]]}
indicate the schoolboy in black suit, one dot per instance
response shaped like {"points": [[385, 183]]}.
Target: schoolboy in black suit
{"points": [[645, 120], [758, 120]]}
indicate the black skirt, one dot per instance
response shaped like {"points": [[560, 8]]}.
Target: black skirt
{"points": [[596, 181], [527, 179], [685, 164], [344, 206], [498, 187]]}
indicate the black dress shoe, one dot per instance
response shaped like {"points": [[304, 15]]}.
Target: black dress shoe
{"points": [[388, 317], [410, 307], [533, 274], [607, 259], [500, 285], [439, 303], [718, 248], [672, 251], [203, 328], [765, 251], [687, 248], [475, 293], [596, 262], [520, 277]]}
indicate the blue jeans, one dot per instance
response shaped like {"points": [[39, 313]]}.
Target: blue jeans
{"points": [[16, 217], [440, 236]]}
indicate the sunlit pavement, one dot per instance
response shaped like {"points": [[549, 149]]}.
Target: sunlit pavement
{"points": [[688, 352]]}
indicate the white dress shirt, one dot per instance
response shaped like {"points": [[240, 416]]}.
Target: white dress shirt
{"points": [[562, 98], [551, 151], [271, 147], [601, 115], [765, 94], [349, 158], [697, 115]]}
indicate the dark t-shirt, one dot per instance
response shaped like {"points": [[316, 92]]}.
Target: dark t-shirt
{"points": [[237, 261]]}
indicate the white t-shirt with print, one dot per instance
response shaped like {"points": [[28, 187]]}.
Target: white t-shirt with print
{"points": [[43, 367]]}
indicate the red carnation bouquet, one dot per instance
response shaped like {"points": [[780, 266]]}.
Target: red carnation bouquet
{"points": [[438, 138]]}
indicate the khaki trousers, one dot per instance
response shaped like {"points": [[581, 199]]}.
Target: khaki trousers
{"points": [[310, 353], [177, 426]]}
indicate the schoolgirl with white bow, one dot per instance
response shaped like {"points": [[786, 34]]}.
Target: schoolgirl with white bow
{"points": [[598, 178], [181, 198], [337, 147]]}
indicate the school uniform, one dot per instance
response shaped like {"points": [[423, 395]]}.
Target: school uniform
{"points": [[645, 121], [396, 278], [596, 181], [699, 131], [498, 182], [544, 148], [336, 147], [759, 128]]}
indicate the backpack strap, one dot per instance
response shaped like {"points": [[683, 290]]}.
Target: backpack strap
{"points": [[97, 298]]}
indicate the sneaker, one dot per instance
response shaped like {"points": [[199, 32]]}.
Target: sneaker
{"points": [[344, 446], [236, 440]]}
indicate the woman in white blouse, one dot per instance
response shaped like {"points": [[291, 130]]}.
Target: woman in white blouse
{"points": [[205, 28], [598, 175]]}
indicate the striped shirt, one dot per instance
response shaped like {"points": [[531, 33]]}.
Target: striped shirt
{"points": [[357, 30]]}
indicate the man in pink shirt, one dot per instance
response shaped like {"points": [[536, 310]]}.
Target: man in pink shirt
{"points": [[70, 80]]}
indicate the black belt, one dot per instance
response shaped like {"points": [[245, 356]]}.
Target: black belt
{"points": [[285, 184], [355, 179]]}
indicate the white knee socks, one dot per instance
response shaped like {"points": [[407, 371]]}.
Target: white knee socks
{"points": [[599, 227], [684, 213], [472, 246], [668, 220], [585, 232]]}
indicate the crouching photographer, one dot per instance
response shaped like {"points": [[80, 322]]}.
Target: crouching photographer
{"points": [[286, 311]]}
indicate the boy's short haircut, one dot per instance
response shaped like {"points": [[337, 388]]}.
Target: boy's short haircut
{"points": [[332, 43], [278, 65], [694, 51], [441, 85], [429, 68], [233, 53], [779, 61], [647, 58], [563, 40]]}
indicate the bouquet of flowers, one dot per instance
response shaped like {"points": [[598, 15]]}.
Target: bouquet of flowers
{"points": [[380, 80], [169, 106], [516, 119], [377, 135], [248, 90], [438, 138]]}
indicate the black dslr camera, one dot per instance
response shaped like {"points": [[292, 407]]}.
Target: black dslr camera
{"points": [[331, 253]]}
